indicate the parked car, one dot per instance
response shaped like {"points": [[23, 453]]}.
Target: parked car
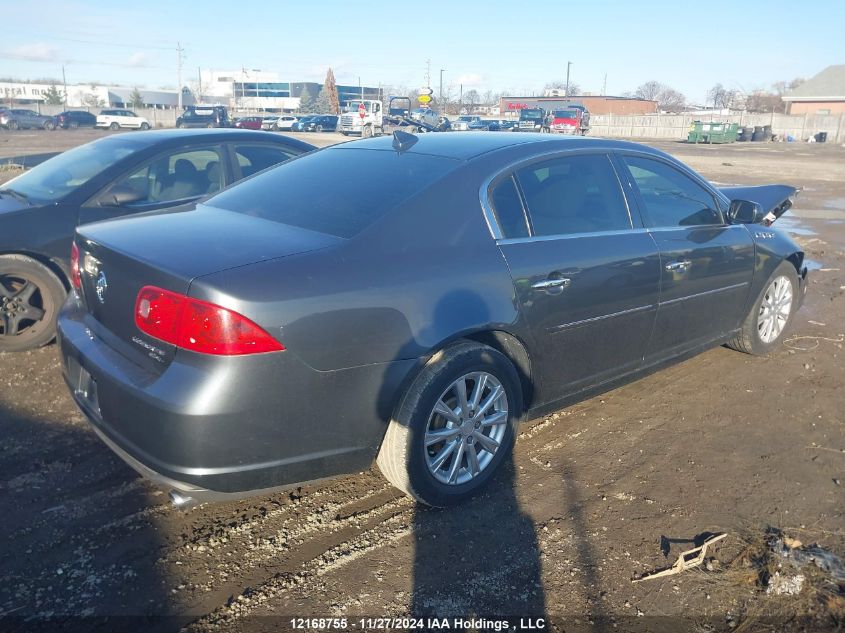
{"points": [[116, 119], [249, 122], [20, 119], [300, 124], [284, 122], [461, 124], [72, 119], [322, 123], [484, 124], [284, 331], [204, 116], [108, 178], [425, 115], [268, 122]]}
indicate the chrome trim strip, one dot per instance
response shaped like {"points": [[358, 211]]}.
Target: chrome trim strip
{"points": [[568, 236], [566, 326], [706, 292]]}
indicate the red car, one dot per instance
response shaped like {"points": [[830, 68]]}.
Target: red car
{"points": [[249, 122]]}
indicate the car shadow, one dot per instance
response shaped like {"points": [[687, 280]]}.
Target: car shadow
{"points": [[79, 549]]}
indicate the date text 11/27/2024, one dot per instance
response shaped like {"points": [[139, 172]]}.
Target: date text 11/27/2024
{"points": [[419, 624]]}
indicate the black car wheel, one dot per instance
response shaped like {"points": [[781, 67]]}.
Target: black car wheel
{"points": [[114, 126], [771, 314], [454, 425], [209, 125], [319, 128], [30, 298], [73, 125], [13, 125], [49, 125]]}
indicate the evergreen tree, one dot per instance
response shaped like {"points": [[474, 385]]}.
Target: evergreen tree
{"points": [[330, 88], [306, 101], [323, 103], [136, 98], [53, 96]]}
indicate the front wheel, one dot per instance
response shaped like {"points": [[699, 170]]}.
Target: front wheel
{"points": [[454, 425], [30, 298], [771, 314], [49, 125], [319, 128], [145, 126], [114, 126]]}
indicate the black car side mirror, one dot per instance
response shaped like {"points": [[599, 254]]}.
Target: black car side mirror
{"points": [[119, 196], [745, 212]]}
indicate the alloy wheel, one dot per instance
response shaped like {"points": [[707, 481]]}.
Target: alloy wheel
{"points": [[21, 305], [466, 428], [775, 309]]}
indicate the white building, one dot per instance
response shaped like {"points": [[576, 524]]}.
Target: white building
{"points": [[85, 95], [247, 89]]}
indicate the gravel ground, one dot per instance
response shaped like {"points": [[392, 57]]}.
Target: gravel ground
{"points": [[721, 442]]}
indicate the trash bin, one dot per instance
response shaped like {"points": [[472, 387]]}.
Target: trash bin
{"points": [[696, 132], [821, 137]]}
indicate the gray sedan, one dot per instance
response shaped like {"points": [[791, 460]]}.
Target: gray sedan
{"points": [[20, 119], [315, 318]]}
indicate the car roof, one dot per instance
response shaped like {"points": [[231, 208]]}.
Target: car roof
{"points": [[152, 137], [469, 146]]}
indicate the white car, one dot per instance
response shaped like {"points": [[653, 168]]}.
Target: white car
{"points": [[116, 119], [285, 122]]}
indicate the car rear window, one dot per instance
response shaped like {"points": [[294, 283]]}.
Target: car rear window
{"points": [[336, 191]]}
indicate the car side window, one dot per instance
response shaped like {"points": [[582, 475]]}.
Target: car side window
{"points": [[508, 209], [175, 176], [254, 158], [574, 194], [671, 197]]}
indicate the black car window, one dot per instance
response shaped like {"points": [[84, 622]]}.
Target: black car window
{"points": [[335, 191], [508, 209], [176, 175], [574, 194], [254, 158], [671, 198]]}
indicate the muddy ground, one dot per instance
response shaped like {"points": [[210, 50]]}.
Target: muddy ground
{"points": [[594, 495]]}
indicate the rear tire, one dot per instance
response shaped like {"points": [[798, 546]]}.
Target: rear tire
{"points": [[14, 125], [754, 336], [30, 299], [49, 125], [145, 126], [114, 126], [73, 125], [415, 464]]}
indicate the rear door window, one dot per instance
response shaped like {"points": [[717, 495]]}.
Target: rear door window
{"points": [[508, 209], [574, 194], [254, 157]]}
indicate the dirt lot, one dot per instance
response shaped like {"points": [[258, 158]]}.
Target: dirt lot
{"points": [[721, 442]]}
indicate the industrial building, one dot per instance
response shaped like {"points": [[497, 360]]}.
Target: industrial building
{"points": [[822, 94]]}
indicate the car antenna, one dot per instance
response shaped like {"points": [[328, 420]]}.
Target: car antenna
{"points": [[403, 140]]}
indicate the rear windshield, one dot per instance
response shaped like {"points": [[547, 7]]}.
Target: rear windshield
{"points": [[336, 191]]}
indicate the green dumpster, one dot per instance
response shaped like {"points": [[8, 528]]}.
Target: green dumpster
{"points": [[701, 132]]}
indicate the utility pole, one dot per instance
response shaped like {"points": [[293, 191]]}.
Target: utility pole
{"points": [[461, 99], [440, 98], [179, 51], [199, 85], [64, 81], [604, 86], [568, 64], [428, 73]]}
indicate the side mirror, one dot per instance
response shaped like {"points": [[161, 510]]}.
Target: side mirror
{"points": [[745, 212], [120, 196]]}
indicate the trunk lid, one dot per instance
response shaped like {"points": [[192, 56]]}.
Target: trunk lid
{"points": [[169, 250]]}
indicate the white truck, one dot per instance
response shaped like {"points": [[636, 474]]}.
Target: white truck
{"points": [[371, 124]]}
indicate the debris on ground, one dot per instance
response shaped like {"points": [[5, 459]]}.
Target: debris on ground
{"points": [[784, 585], [686, 560], [800, 555]]}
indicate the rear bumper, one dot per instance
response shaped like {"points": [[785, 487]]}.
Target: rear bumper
{"points": [[220, 428]]}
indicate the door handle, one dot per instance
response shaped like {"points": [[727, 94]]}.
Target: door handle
{"points": [[680, 265], [547, 284]]}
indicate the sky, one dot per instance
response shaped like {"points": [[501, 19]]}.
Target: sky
{"points": [[503, 46]]}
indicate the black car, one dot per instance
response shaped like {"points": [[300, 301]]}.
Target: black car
{"points": [[321, 123], [107, 178], [204, 116], [72, 119], [285, 330]]}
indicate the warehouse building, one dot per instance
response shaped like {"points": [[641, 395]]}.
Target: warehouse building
{"points": [[596, 104], [822, 94]]}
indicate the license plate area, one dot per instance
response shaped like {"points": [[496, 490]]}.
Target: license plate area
{"points": [[83, 384]]}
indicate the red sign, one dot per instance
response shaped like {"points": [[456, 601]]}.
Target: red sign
{"points": [[516, 106], [362, 110]]}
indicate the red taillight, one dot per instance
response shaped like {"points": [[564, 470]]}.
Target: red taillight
{"points": [[75, 278], [199, 326]]}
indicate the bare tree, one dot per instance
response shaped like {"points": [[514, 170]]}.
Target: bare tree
{"points": [[560, 84], [762, 101], [721, 97], [471, 100], [667, 98]]}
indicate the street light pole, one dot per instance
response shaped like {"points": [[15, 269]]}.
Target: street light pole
{"points": [[568, 64], [64, 81], [440, 98]]}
